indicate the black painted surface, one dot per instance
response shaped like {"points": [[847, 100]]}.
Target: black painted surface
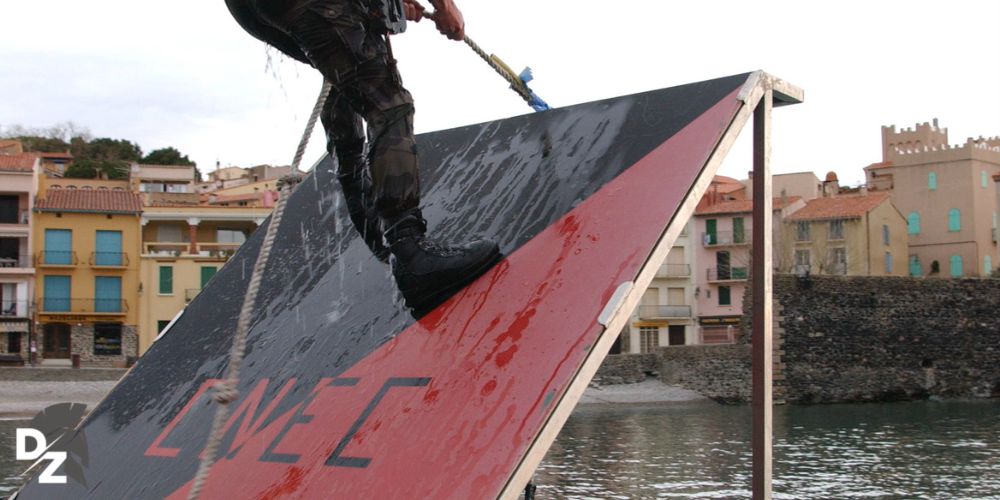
{"points": [[326, 302]]}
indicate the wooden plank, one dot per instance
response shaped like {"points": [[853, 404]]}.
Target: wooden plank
{"points": [[761, 283], [750, 95]]}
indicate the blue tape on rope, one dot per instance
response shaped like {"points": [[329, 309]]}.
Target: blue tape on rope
{"points": [[536, 102]]}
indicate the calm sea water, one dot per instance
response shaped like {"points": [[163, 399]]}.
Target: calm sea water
{"points": [[702, 450], [899, 450]]}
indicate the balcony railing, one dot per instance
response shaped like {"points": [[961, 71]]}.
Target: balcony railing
{"points": [[23, 217], [727, 274], [109, 259], [221, 250], [166, 249], [57, 258], [726, 238], [674, 271], [215, 250], [57, 305], [664, 312], [14, 262], [14, 309], [191, 293]]}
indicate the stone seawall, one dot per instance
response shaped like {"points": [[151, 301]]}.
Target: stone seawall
{"points": [[855, 339], [627, 369], [888, 338], [720, 372]]}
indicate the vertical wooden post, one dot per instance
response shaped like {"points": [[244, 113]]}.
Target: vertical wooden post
{"points": [[761, 282]]}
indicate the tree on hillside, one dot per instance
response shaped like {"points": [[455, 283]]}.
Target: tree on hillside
{"points": [[106, 149], [54, 139], [171, 156], [167, 156], [97, 169], [39, 144]]}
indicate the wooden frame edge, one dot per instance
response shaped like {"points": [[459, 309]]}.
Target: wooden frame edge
{"points": [[750, 94]]}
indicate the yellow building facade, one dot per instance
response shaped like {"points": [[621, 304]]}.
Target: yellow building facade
{"points": [[87, 241], [182, 249], [847, 235]]}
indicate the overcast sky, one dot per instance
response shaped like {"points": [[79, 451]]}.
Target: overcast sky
{"points": [[183, 74]]}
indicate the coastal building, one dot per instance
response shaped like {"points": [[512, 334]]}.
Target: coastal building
{"points": [[946, 194], [231, 177], [857, 235], [665, 315], [183, 246], [87, 272], [722, 252], [163, 178], [18, 181]]}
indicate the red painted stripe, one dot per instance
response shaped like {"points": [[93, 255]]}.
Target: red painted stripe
{"points": [[498, 355]]}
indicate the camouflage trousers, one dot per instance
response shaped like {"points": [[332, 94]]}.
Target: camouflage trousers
{"points": [[339, 39]]}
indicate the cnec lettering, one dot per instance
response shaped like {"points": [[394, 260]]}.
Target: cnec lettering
{"points": [[247, 420], [39, 453]]}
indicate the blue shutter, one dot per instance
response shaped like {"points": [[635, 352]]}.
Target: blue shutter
{"points": [[107, 294], [109, 248], [915, 268], [58, 246], [956, 266], [932, 181], [954, 220], [56, 294], [913, 223]]}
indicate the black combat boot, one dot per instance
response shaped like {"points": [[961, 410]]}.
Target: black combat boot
{"points": [[428, 273], [361, 209]]}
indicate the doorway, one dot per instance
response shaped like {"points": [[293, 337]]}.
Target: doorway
{"points": [[56, 341]]}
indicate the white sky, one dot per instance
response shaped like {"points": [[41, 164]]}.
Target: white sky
{"points": [[183, 74]]}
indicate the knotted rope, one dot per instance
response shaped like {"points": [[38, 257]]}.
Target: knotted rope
{"points": [[226, 392]]}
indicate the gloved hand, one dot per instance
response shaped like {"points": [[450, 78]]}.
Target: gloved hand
{"points": [[448, 19]]}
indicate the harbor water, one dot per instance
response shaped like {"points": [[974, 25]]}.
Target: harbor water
{"points": [[702, 450]]}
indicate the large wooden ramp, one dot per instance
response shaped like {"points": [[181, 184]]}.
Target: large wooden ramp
{"points": [[345, 395]]}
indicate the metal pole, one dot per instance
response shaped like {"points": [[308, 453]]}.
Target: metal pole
{"points": [[761, 282]]}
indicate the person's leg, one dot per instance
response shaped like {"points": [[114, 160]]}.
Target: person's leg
{"points": [[346, 141], [334, 37]]}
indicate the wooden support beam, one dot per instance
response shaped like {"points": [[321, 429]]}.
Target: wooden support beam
{"points": [[761, 282]]}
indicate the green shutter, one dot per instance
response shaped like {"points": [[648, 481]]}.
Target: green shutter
{"points": [[725, 297], [932, 181], [206, 274], [166, 280]]}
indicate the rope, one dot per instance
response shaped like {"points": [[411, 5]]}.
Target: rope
{"points": [[515, 83], [226, 391]]}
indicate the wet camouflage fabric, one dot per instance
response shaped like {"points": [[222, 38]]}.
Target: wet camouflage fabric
{"points": [[339, 38]]}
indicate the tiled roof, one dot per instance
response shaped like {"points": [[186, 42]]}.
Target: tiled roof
{"points": [[743, 206], [839, 207], [22, 162], [57, 155], [89, 200]]}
